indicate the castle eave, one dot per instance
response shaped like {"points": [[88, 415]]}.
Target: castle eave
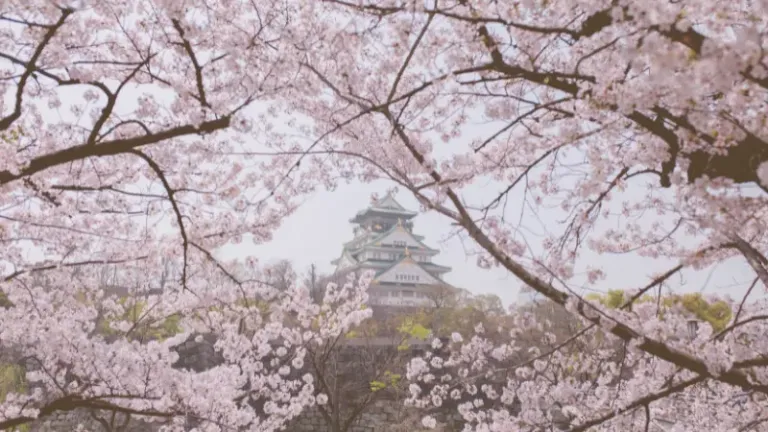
{"points": [[405, 215]]}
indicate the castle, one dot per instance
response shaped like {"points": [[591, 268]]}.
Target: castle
{"points": [[385, 243]]}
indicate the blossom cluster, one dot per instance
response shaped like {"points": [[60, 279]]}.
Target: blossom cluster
{"points": [[590, 379]]}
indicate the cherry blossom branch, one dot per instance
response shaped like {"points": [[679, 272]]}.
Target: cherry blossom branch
{"points": [[644, 401], [755, 259], [106, 112], [111, 148], [179, 217], [576, 225], [72, 402], [737, 324], [656, 282], [750, 150], [411, 52], [201, 96], [536, 108], [18, 273], [653, 347], [8, 120]]}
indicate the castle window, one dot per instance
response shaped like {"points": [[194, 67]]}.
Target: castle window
{"points": [[399, 243]]}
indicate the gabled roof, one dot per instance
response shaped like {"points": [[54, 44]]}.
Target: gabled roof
{"points": [[397, 230], [387, 206], [407, 266], [436, 267], [389, 202]]}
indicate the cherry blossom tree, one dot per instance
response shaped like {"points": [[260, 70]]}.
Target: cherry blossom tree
{"points": [[119, 123], [644, 123], [130, 135]]}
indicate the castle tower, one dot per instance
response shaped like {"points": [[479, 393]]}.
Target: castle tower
{"points": [[385, 243]]}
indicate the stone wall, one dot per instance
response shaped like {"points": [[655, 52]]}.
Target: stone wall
{"points": [[70, 421], [381, 416]]}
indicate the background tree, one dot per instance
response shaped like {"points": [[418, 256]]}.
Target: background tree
{"points": [[313, 280], [364, 367], [281, 275]]}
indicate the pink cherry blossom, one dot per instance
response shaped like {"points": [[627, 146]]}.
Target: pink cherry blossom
{"points": [[143, 136]]}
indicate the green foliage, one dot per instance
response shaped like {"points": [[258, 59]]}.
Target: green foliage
{"points": [[377, 385], [134, 310], [718, 314], [390, 380], [261, 305], [4, 302], [13, 379], [614, 299], [412, 329], [11, 136]]}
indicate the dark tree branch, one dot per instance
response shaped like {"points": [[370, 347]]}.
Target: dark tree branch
{"points": [[755, 259], [7, 121], [110, 148], [73, 402], [179, 218], [111, 101], [195, 64], [638, 403], [18, 273]]}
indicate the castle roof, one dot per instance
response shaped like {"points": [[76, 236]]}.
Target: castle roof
{"points": [[411, 240], [407, 266], [386, 206], [345, 260]]}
